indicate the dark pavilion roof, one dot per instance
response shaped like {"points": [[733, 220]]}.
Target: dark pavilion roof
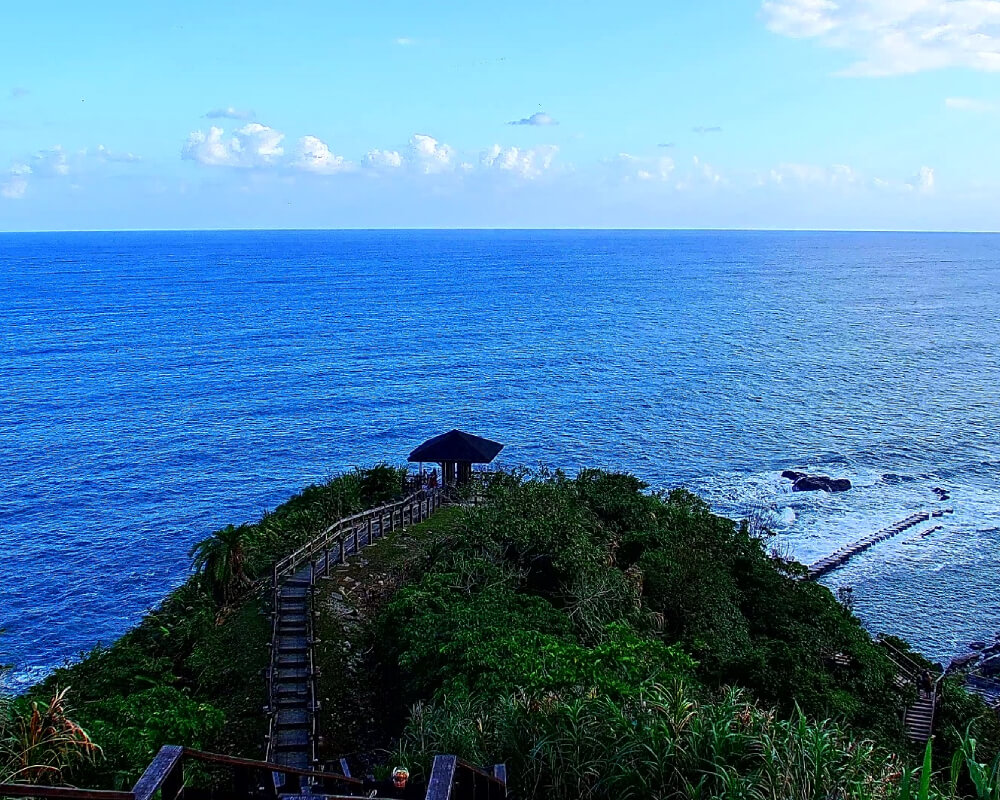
{"points": [[456, 445]]}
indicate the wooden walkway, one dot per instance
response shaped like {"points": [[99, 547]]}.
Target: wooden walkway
{"points": [[293, 707], [844, 554], [918, 718]]}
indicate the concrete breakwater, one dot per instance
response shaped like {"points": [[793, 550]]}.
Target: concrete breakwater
{"points": [[841, 556]]}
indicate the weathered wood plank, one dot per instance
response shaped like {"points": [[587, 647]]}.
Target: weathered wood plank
{"points": [[158, 774], [64, 792], [266, 766], [442, 778]]}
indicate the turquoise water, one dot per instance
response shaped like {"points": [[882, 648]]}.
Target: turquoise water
{"points": [[155, 386]]}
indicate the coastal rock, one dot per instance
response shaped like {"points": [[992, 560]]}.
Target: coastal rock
{"points": [[992, 650], [961, 662], [941, 493], [792, 475], [977, 645], [820, 483], [991, 666]]}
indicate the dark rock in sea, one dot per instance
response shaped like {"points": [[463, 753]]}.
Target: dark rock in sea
{"points": [[977, 645], [941, 493], [820, 483], [992, 650], [792, 475], [961, 662], [991, 666]]}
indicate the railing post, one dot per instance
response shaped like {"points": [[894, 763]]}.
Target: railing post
{"points": [[165, 773], [442, 778], [371, 528], [343, 558], [354, 527]]}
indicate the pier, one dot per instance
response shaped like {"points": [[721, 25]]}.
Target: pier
{"points": [[844, 554]]}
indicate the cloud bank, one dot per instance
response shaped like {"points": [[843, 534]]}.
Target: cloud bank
{"points": [[895, 37]]}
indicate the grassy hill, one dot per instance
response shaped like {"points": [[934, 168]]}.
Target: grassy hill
{"points": [[601, 640]]}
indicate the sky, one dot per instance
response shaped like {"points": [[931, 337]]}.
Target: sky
{"points": [[799, 114]]}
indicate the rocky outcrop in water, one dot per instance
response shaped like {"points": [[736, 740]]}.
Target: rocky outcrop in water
{"points": [[960, 662], [804, 482], [941, 493], [991, 666]]}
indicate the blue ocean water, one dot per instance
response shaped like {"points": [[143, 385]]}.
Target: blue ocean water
{"points": [[156, 386]]}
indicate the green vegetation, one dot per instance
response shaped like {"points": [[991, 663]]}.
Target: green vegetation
{"points": [[602, 641], [191, 672], [38, 741], [608, 643]]}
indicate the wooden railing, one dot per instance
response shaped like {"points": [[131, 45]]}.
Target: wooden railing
{"points": [[454, 779], [334, 539], [166, 775], [333, 544]]}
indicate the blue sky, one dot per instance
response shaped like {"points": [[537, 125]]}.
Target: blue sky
{"points": [[747, 113]]}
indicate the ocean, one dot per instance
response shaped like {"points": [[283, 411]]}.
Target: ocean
{"points": [[157, 386]]}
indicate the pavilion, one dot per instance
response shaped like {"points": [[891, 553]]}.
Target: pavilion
{"points": [[456, 451]]}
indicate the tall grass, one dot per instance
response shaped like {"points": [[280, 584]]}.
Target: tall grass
{"points": [[667, 743], [37, 743]]}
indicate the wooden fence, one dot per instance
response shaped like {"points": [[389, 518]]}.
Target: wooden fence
{"points": [[343, 536], [165, 775]]}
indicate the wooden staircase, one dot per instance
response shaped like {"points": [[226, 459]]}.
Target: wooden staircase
{"points": [[918, 719], [293, 738]]}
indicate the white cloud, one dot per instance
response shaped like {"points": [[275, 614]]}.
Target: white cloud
{"points": [[16, 185], [383, 159], [539, 118], [429, 154], [253, 145], [969, 104], [707, 172], [640, 168], [923, 181], [404, 41], [892, 37], [529, 163], [50, 162], [230, 113], [104, 154], [798, 174], [314, 155]]}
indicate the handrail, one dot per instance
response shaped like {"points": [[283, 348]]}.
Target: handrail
{"points": [[348, 535], [67, 792], [445, 777], [266, 766], [166, 769], [911, 666], [335, 532]]}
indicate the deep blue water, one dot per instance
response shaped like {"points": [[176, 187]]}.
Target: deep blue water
{"points": [[155, 386]]}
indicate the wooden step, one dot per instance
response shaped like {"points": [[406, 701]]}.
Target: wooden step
{"points": [[293, 718], [292, 739], [293, 758]]}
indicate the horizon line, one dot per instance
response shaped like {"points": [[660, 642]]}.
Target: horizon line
{"points": [[568, 228]]}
